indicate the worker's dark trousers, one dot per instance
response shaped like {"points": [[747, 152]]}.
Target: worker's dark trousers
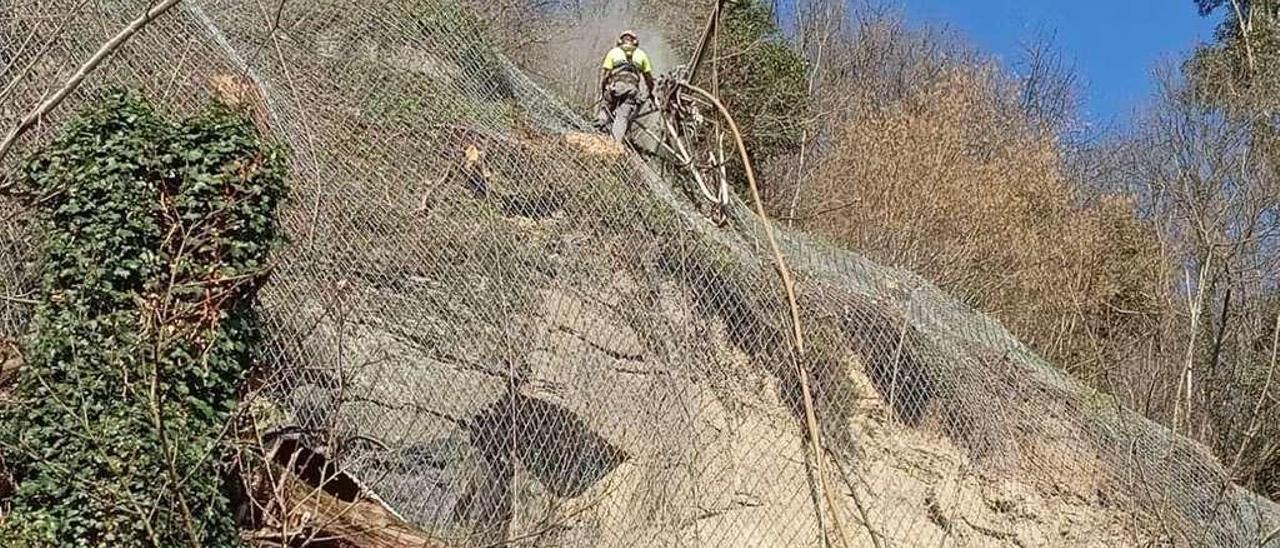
{"points": [[624, 108]]}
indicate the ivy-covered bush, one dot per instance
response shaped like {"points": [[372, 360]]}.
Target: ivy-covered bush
{"points": [[156, 239]]}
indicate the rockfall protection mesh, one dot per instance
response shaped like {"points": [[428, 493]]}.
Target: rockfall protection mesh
{"points": [[512, 330]]}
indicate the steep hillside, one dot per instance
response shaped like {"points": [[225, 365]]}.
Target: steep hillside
{"points": [[513, 331]]}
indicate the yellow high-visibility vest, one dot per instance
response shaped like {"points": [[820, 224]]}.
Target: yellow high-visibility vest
{"points": [[617, 58]]}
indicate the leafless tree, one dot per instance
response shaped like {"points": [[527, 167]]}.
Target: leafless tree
{"points": [[1204, 179], [1048, 83]]}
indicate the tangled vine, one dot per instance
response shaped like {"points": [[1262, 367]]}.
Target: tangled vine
{"points": [[156, 239]]}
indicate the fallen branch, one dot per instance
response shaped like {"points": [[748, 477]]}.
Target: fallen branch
{"points": [[19, 300], [318, 502], [361, 522], [89, 66]]}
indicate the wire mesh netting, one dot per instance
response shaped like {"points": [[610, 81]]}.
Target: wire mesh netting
{"points": [[513, 331]]}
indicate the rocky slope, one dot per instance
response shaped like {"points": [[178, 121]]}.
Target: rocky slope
{"points": [[513, 331]]}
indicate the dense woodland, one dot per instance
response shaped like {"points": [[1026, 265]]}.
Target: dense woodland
{"points": [[1143, 258]]}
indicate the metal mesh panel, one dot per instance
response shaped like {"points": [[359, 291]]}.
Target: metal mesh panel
{"points": [[512, 330]]}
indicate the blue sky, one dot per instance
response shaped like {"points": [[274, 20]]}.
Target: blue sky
{"points": [[1114, 44]]}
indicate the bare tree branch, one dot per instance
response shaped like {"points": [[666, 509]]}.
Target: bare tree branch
{"points": [[89, 66]]}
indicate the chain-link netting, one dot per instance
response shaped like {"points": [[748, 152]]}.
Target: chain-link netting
{"points": [[510, 330]]}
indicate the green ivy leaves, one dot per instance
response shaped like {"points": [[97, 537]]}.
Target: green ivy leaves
{"points": [[157, 235]]}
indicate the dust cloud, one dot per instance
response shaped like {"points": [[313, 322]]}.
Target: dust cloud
{"points": [[585, 34]]}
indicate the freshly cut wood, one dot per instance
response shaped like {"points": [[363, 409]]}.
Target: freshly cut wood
{"points": [[331, 521], [309, 502]]}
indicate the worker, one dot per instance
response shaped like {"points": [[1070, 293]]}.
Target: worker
{"points": [[625, 68]]}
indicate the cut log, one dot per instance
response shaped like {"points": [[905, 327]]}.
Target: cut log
{"points": [[327, 520], [309, 502]]}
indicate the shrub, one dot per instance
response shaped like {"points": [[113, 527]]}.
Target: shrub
{"points": [[953, 184], [157, 235]]}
